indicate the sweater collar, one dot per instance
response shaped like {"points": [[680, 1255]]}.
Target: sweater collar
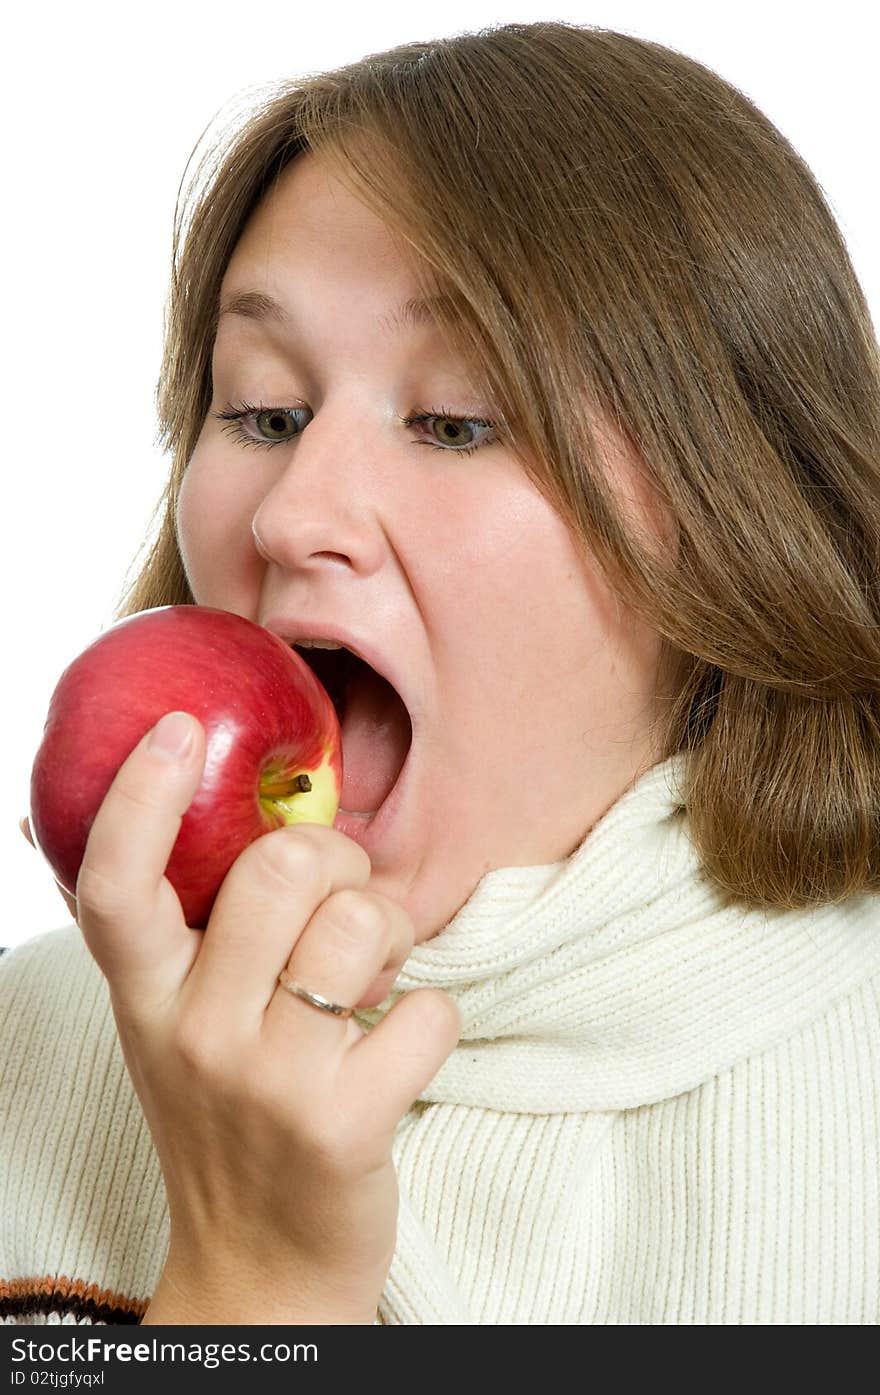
{"points": [[620, 975]]}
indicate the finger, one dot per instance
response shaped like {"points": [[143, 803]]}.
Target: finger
{"points": [[393, 1063], [356, 941], [69, 901], [269, 895], [128, 912]]}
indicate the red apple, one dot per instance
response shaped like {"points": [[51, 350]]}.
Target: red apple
{"points": [[274, 749]]}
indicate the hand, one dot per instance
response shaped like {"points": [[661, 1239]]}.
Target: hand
{"points": [[272, 1120]]}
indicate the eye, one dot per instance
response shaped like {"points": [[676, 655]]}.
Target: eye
{"points": [[271, 422], [449, 429], [274, 426]]}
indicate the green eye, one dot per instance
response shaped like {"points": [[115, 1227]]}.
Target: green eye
{"points": [[271, 422], [272, 425], [451, 428]]}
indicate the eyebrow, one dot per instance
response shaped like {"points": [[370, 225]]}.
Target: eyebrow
{"points": [[256, 305]]}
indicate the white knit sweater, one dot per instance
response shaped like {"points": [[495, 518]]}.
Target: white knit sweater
{"points": [[662, 1109]]}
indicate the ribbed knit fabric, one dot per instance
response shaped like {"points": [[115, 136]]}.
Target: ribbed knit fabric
{"points": [[662, 1109]]}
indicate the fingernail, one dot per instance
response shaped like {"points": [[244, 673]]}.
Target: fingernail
{"points": [[171, 737]]}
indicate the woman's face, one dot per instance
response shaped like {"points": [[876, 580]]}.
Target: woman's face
{"points": [[528, 689]]}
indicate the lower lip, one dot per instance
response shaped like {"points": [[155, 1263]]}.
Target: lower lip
{"points": [[370, 829]]}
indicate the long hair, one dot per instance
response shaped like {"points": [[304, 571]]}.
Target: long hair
{"points": [[621, 235]]}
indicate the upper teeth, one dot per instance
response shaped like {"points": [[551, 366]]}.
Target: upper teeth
{"points": [[318, 644]]}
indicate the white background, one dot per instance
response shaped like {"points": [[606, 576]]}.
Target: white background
{"points": [[101, 108]]}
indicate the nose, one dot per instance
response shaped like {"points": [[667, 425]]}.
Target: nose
{"points": [[322, 510]]}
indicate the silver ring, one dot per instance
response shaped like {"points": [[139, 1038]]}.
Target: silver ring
{"points": [[314, 998]]}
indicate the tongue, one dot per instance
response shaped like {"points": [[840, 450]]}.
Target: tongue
{"points": [[376, 735]]}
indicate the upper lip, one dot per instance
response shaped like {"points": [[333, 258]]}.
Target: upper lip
{"points": [[292, 629]]}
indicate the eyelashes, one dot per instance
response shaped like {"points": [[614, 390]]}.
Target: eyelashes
{"points": [[237, 415]]}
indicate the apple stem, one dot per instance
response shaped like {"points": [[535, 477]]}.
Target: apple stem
{"points": [[300, 784]]}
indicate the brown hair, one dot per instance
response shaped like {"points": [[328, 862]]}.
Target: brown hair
{"points": [[622, 235]]}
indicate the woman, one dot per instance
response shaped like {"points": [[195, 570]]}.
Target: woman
{"points": [[604, 899]]}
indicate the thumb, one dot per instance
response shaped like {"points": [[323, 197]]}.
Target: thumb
{"points": [[129, 913]]}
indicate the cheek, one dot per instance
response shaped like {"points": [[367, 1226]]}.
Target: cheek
{"points": [[196, 523], [214, 517]]}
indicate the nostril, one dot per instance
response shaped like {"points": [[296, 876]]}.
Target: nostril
{"points": [[333, 556]]}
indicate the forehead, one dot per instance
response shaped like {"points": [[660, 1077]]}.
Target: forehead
{"points": [[308, 220], [309, 233], [315, 268]]}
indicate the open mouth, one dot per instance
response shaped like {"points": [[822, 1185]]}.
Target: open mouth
{"points": [[375, 725]]}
